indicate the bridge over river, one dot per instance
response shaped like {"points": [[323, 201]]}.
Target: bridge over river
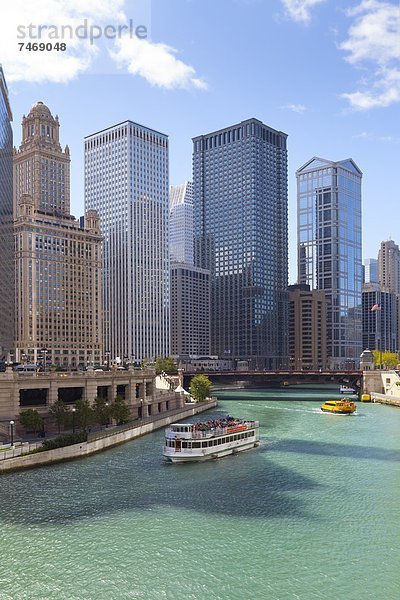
{"points": [[265, 379]]}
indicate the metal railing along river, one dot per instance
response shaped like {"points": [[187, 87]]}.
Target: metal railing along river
{"points": [[19, 448]]}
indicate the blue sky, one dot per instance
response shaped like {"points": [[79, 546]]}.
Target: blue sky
{"points": [[325, 72]]}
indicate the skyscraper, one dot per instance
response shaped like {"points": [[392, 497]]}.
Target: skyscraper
{"points": [[190, 311], [240, 205], [307, 328], [389, 267], [7, 273], [58, 259], [370, 270], [181, 223], [126, 182], [329, 249], [380, 319]]}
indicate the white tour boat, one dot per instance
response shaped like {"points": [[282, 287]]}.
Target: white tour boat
{"points": [[345, 389], [188, 442]]}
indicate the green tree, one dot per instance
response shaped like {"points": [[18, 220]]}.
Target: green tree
{"points": [[101, 411], [119, 410], [60, 412], [386, 359], [200, 387], [166, 364], [84, 413], [31, 420]]}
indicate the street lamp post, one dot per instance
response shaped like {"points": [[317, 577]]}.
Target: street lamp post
{"points": [[107, 415], [12, 434], [73, 419]]}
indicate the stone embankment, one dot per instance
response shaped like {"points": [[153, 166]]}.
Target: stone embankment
{"points": [[99, 441], [382, 399]]}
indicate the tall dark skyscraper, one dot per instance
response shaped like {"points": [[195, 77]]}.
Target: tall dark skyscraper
{"points": [[7, 273], [329, 250], [240, 206], [380, 319]]}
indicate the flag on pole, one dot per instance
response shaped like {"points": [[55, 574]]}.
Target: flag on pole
{"points": [[376, 307]]}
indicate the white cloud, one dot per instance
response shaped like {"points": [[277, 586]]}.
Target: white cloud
{"points": [[57, 66], [297, 108], [300, 10], [373, 44], [157, 63], [365, 135], [362, 136]]}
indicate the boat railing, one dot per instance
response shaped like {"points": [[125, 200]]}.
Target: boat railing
{"points": [[212, 432]]}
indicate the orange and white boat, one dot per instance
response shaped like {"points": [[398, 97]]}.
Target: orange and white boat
{"points": [[197, 442]]}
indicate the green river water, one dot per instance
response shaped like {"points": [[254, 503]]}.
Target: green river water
{"points": [[314, 512]]}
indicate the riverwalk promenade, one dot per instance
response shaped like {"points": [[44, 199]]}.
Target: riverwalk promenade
{"points": [[382, 399], [98, 441]]}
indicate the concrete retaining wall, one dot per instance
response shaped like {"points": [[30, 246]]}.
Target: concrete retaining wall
{"points": [[383, 399], [91, 447]]}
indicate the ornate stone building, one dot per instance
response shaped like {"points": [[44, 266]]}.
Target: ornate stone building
{"points": [[58, 258]]}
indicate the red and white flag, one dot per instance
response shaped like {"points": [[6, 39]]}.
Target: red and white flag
{"points": [[376, 307]]}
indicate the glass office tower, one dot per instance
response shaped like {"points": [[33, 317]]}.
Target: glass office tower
{"points": [[370, 270], [240, 205], [181, 223], [7, 267], [329, 250], [126, 182]]}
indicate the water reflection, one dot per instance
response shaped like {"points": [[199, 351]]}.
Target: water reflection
{"points": [[337, 450], [243, 485]]}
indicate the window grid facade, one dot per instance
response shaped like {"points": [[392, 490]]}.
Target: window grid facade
{"points": [[7, 273], [190, 311], [126, 182], [329, 250], [307, 328], [380, 327], [58, 258], [181, 223], [389, 267], [370, 270], [240, 200]]}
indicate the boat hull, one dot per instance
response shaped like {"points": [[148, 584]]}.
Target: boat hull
{"points": [[347, 390], [202, 457], [338, 412]]}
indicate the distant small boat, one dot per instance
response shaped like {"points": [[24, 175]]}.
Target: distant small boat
{"points": [[344, 389], [339, 407]]}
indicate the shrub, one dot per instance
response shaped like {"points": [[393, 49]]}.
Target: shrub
{"points": [[31, 420], [64, 440]]}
